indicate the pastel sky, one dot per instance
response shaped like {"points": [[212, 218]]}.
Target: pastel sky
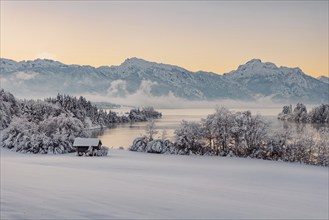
{"points": [[212, 36]]}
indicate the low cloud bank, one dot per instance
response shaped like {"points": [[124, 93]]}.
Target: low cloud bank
{"points": [[117, 93], [25, 75]]}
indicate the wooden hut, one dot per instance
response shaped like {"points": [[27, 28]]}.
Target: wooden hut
{"points": [[87, 145]]}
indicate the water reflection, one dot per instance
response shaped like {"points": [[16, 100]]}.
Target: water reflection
{"points": [[302, 127]]}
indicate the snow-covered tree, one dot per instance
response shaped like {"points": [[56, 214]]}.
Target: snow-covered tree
{"points": [[319, 114], [90, 115], [189, 138], [9, 107], [221, 123], [256, 131], [322, 147], [300, 113], [139, 144], [287, 109], [209, 136]]}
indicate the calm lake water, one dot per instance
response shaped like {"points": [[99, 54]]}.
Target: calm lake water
{"points": [[122, 135]]}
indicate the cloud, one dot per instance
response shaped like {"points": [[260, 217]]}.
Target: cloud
{"points": [[25, 75], [118, 88], [146, 86], [141, 97]]}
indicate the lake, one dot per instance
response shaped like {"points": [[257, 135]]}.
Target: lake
{"points": [[122, 135]]}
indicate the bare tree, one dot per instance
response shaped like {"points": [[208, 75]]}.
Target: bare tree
{"points": [[164, 134], [151, 130]]}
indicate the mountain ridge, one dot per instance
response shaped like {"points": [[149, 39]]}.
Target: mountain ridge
{"points": [[249, 81], [135, 61]]}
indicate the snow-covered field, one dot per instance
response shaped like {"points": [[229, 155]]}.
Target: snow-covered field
{"points": [[148, 186]]}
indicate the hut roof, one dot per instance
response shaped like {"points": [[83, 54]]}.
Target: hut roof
{"points": [[86, 142]]}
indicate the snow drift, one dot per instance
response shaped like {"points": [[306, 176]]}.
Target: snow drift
{"points": [[130, 185]]}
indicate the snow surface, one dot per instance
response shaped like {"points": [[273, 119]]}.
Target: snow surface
{"points": [[130, 185]]}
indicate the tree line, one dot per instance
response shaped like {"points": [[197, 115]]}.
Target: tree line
{"points": [[240, 134], [319, 114]]}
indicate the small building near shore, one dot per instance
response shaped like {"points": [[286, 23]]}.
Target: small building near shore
{"points": [[84, 145]]}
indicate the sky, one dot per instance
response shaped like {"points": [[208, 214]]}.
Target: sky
{"points": [[214, 36]]}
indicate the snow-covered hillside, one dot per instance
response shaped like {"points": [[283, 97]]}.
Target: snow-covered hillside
{"points": [[130, 185], [250, 81]]}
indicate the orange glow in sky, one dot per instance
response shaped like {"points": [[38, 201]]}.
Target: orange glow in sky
{"points": [[212, 36]]}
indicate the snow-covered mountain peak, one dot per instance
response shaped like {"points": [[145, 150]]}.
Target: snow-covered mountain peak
{"points": [[137, 62], [8, 65], [254, 67], [40, 63], [140, 64], [291, 71], [7, 61], [258, 64], [254, 62], [298, 71], [324, 79]]}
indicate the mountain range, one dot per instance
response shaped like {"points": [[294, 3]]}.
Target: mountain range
{"points": [[253, 80]]}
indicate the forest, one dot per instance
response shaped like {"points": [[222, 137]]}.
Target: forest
{"points": [[50, 125]]}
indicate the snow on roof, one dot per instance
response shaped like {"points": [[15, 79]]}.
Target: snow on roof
{"points": [[86, 142]]}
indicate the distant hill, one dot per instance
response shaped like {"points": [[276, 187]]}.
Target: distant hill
{"points": [[253, 80]]}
